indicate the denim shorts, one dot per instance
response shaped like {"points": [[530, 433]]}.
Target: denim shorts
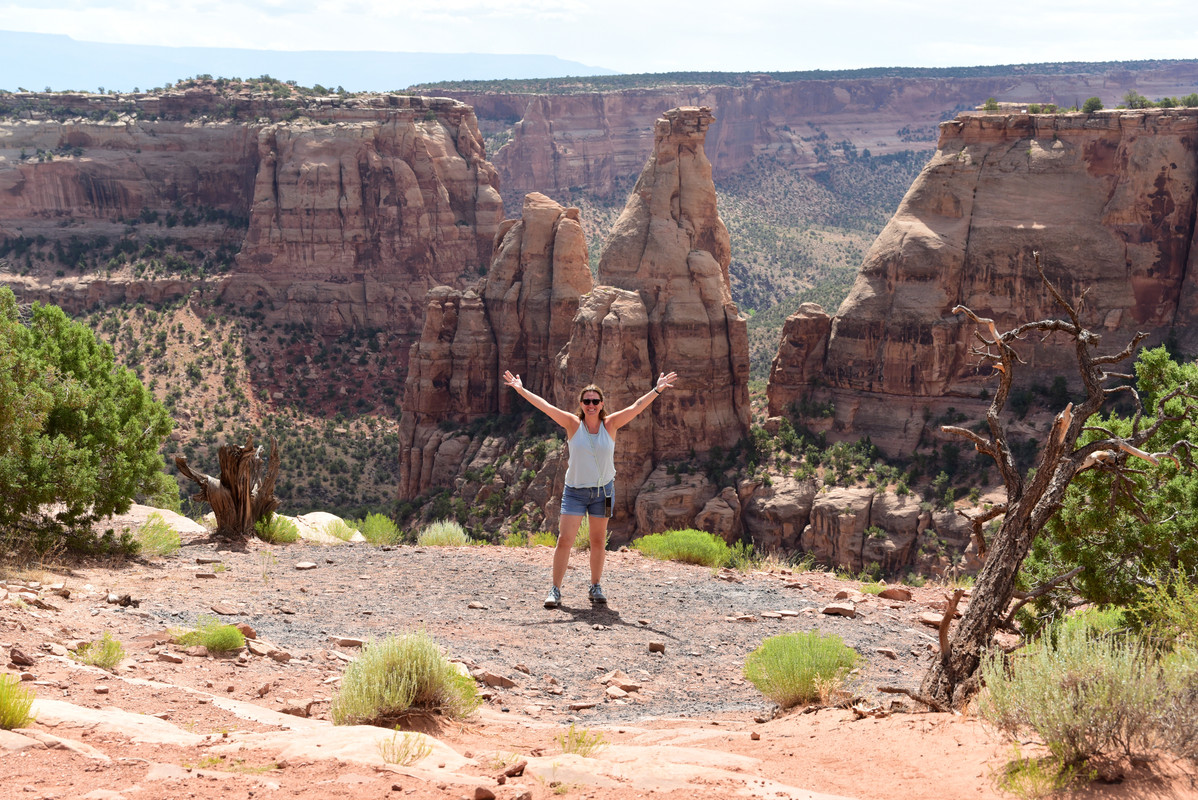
{"points": [[588, 500]]}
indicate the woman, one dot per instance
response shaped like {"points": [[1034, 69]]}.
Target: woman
{"points": [[590, 476]]}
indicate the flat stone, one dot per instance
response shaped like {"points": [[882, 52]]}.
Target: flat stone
{"points": [[493, 679], [170, 658], [886, 651], [347, 641], [476, 605], [224, 610], [206, 575], [582, 706], [304, 565], [13, 742], [771, 615], [845, 609], [895, 593], [207, 560], [616, 693], [786, 612], [931, 618], [657, 647]]}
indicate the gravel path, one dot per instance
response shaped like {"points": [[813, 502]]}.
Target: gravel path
{"points": [[484, 605]]}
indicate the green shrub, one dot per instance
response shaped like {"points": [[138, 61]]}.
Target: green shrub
{"points": [[105, 652], [443, 533], [79, 431], [398, 675], [742, 557], [1084, 695], [515, 538], [1036, 778], [404, 750], [212, 634], [1167, 610], [795, 668], [580, 741], [543, 538], [688, 546], [276, 529], [379, 529], [156, 538], [338, 529], [15, 702]]}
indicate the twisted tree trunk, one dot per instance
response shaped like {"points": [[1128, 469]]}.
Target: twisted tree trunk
{"points": [[244, 492], [1033, 499]]}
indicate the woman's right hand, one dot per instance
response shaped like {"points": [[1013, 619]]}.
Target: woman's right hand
{"points": [[512, 380]]}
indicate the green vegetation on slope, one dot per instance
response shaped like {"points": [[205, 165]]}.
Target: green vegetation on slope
{"points": [[78, 432], [612, 83]]}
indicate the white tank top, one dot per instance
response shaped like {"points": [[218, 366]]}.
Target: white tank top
{"points": [[592, 458]]}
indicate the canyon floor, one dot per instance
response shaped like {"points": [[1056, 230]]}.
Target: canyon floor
{"points": [[173, 722]]}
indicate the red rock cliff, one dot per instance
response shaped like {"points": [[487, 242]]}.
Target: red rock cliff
{"points": [[593, 140], [343, 212], [1108, 199], [519, 319]]}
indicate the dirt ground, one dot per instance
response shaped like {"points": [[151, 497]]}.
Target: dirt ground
{"points": [[173, 722]]}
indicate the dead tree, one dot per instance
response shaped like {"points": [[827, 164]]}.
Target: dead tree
{"points": [[245, 491], [1032, 499]]}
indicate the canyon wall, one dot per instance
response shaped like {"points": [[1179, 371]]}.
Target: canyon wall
{"points": [[592, 141], [1108, 199], [517, 319], [663, 304], [334, 214]]}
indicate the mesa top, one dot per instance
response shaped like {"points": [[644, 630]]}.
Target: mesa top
{"points": [[592, 458]]}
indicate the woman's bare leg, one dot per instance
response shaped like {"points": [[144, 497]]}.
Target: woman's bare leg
{"points": [[567, 532], [598, 530]]}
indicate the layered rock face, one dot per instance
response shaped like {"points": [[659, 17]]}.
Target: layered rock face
{"points": [[1108, 200], [593, 140], [663, 305], [343, 212], [351, 224], [519, 318], [671, 248]]}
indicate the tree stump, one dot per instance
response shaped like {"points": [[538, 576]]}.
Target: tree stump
{"points": [[244, 493]]}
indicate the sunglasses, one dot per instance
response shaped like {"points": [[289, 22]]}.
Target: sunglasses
{"points": [[592, 401]]}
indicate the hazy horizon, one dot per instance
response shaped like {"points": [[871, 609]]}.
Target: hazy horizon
{"points": [[618, 36]]}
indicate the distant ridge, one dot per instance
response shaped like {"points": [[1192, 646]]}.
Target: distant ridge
{"points": [[616, 81], [35, 61]]}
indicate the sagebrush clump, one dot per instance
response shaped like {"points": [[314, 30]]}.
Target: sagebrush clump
{"points": [[15, 702], [689, 546], [444, 533], [399, 675], [276, 529], [105, 652], [212, 634], [795, 668], [1087, 693]]}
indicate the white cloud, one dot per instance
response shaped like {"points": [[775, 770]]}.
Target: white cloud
{"points": [[646, 35]]}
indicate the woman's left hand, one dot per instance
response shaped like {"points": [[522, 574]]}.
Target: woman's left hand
{"points": [[665, 381]]}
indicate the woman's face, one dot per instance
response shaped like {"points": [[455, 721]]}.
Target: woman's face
{"points": [[591, 403]]}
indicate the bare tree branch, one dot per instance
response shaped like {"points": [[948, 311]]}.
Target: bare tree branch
{"points": [[1041, 590]]}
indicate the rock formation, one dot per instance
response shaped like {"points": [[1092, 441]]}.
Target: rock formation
{"points": [[594, 140], [671, 248], [342, 212], [663, 305], [1108, 199], [518, 319]]}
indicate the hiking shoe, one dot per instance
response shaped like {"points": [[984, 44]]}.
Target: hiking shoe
{"points": [[596, 594], [554, 598]]}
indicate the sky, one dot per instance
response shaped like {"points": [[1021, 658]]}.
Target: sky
{"points": [[648, 35]]}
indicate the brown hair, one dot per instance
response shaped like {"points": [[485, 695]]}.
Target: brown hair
{"points": [[590, 388]]}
